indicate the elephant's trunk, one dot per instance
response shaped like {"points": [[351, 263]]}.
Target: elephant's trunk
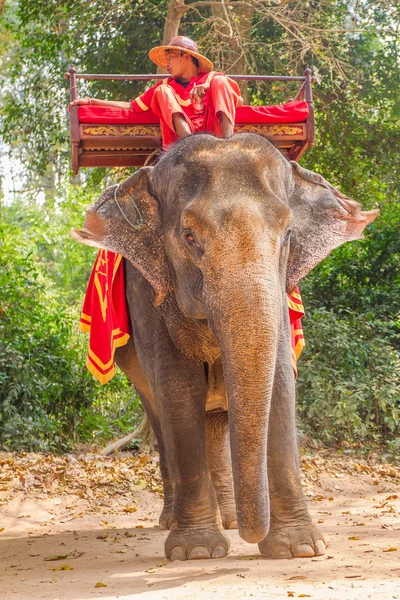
{"points": [[245, 309]]}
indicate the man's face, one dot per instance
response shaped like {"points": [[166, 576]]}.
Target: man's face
{"points": [[176, 62]]}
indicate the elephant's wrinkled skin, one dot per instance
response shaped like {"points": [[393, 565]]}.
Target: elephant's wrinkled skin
{"points": [[223, 229]]}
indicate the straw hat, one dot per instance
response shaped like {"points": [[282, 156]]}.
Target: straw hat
{"points": [[157, 54]]}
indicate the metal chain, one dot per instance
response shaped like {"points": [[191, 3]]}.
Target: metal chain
{"points": [[140, 219]]}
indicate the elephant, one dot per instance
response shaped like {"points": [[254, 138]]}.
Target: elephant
{"points": [[214, 236]]}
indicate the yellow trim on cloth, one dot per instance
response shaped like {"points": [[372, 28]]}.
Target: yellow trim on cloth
{"points": [[299, 347], [180, 100], [140, 103], [98, 372], [295, 306]]}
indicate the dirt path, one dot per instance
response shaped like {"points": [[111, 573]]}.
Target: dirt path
{"points": [[97, 518]]}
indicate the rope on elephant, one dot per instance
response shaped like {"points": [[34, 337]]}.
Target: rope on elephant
{"points": [[140, 219]]}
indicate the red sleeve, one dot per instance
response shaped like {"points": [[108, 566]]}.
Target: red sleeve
{"points": [[143, 102]]}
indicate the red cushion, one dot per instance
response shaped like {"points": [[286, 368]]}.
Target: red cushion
{"points": [[113, 115], [291, 112]]}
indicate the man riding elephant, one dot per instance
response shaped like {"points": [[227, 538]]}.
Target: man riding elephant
{"points": [[194, 98]]}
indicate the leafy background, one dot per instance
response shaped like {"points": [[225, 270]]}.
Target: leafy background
{"points": [[348, 385]]}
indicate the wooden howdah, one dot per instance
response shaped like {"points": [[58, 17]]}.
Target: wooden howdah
{"points": [[102, 145]]}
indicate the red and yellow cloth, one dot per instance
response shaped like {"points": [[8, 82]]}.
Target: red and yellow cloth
{"points": [[105, 316], [296, 312]]}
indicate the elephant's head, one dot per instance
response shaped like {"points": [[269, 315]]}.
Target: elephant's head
{"points": [[229, 226]]}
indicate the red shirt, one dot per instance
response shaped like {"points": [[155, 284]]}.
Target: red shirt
{"points": [[143, 102]]}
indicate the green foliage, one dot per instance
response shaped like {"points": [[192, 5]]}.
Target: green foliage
{"points": [[348, 384], [45, 388], [111, 415], [363, 276], [41, 381], [46, 226]]}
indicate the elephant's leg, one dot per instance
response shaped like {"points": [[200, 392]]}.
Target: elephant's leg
{"points": [[219, 463], [180, 392], [291, 533], [165, 519], [127, 360]]}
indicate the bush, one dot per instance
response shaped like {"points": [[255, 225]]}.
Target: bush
{"points": [[45, 387], [348, 385]]}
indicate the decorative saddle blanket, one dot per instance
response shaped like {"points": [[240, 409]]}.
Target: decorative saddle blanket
{"points": [[105, 316]]}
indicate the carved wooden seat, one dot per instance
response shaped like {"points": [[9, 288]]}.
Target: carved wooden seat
{"points": [[114, 137]]}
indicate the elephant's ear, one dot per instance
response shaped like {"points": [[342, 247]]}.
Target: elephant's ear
{"points": [[323, 219], [125, 219]]}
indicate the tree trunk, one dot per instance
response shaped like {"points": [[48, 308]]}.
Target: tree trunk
{"points": [[2, 4], [233, 33], [176, 10], [143, 432]]}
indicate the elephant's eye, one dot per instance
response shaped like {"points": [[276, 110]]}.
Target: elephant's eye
{"points": [[191, 240]]}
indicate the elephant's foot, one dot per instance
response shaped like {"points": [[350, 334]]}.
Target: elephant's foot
{"points": [[293, 541], [226, 501], [228, 516], [195, 543], [165, 520]]}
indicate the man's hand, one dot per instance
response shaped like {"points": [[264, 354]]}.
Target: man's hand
{"points": [[199, 91], [79, 102]]}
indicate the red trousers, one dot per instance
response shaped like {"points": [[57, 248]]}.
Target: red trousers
{"points": [[223, 96]]}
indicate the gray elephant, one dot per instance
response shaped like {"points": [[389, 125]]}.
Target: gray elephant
{"points": [[215, 235]]}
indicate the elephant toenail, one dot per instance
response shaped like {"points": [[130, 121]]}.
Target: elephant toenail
{"points": [[232, 524], [178, 553], [198, 552], [320, 547], [303, 551], [281, 552], [219, 552]]}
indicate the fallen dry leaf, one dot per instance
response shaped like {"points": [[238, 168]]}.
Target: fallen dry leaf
{"points": [[129, 509], [57, 557], [391, 549], [68, 518], [161, 564], [100, 584], [62, 568]]}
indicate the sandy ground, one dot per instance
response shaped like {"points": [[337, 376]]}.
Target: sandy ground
{"points": [[77, 528]]}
